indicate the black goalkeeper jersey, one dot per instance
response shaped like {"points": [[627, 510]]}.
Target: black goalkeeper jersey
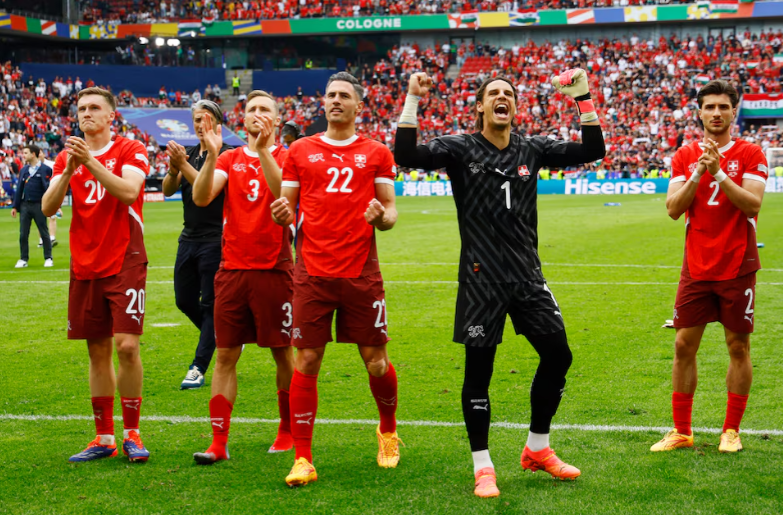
{"points": [[495, 192]]}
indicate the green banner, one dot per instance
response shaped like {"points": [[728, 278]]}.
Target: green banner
{"points": [[219, 28], [369, 24], [84, 32], [672, 12], [558, 17], [33, 26]]}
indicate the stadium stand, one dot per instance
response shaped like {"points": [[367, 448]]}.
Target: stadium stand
{"points": [[136, 11], [643, 126]]}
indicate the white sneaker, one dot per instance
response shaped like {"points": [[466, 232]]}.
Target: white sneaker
{"points": [[193, 379], [48, 263], [21, 264]]}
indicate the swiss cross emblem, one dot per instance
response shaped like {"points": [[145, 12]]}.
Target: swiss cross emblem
{"points": [[110, 164], [733, 166], [523, 171], [360, 160]]}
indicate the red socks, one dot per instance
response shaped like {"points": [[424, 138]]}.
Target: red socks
{"points": [[735, 408], [220, 418], [131, 409], [284, 407], [103, 412], [304, 405], [682, 407], [384, 389]]}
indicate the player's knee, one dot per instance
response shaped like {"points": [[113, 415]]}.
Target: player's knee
{"points": [[228, 356], [127, 349], [738, 349], [308, 361], [377, 367], [685, 349]]}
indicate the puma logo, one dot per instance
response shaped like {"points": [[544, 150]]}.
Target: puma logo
{"points": [[255, 168], [132, 405], [485, 407], [305, 421], [749, 318], [286, 332], [340, 157], [384, 332], [388, 402], [217, 424], [137, 319], [98, 417]]}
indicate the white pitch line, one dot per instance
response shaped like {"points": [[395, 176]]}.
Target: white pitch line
{"points": [[415, 423]]}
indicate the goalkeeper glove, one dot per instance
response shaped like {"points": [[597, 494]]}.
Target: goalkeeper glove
{"points": [[573, 83]]}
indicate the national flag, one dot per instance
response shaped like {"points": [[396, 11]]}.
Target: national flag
{"points": [[189, 28], [752, 64], [207, 20], [247, 27], [464, 21], [49, 28], [777, 59], [641, 13], [521, 18], [5, 21], [724, 6], [578, 16], [702, 79], [64, 30], [762, 105]]}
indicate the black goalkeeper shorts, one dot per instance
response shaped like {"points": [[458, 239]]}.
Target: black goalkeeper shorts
{"points": [[482, 309]]}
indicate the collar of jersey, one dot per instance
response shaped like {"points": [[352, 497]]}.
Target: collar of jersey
{"points": [[339, 143], [255, 154], [728, 146], [96, 153]]}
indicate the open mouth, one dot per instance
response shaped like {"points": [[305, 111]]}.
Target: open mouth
{"points": [[501, 111]]}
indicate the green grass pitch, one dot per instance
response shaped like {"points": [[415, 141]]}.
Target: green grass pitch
{"points": [[620, 378]]}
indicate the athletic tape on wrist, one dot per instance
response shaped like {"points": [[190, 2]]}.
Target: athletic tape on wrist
{"points": [[720, 176], [410, 110], [695, 178]]}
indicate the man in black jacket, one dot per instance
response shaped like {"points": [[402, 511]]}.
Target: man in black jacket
{"points": [[493, 175], [33, 182], [198, 255]]}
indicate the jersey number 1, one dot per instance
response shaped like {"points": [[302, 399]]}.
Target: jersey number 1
{"points": [[507, 186]]}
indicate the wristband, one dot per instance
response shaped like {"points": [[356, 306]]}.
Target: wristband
{"points": [[172, 174], [586, 108], [410, 110], [695, 178], [720, 176]]}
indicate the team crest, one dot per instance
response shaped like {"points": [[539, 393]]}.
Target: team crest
{"points": [[110, 164], [360, 160], [476, 167], [524, 172], [692, 167], [240, 167], [314, 158], [733, 168]]}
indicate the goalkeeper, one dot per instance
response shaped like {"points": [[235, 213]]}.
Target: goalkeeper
{"points": [[493, 173]]}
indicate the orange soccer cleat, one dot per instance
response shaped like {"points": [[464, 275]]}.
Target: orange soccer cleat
{"points": [[486, 483], [547, 460]]}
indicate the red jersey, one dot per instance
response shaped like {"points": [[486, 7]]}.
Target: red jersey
{"points": [[336, 181], [106, 235], [720, 241], [251, 239]]}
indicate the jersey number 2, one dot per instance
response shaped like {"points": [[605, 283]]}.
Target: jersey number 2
{"points": [[712, 201], [337, 173], [96, 190]]}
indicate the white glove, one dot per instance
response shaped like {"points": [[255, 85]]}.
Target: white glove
{"points": [[574, 83]]}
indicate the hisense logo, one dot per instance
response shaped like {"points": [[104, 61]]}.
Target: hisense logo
{"points": [[585, 187]]}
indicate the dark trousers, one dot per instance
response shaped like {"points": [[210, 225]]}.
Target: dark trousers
{"points": [[194, 291], [32, 211]]}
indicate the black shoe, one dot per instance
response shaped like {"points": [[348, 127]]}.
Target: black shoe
{"points": [[54, 243]]}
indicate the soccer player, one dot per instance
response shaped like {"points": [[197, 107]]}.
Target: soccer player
{"points": [[718, 278], [198, 253], [253, 285], [344, 185], [493, 174], [108, 265]]}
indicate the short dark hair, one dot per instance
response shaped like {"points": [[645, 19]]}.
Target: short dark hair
{"points": [[479, 124], [347, 77], [34, 149], [290, 127], [718, 87]]}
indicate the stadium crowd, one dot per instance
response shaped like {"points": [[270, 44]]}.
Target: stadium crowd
{"points": [[152, 11], [645, 92]]}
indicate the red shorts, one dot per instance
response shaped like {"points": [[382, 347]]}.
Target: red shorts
{"points": [[253, 306], [729, 302], [360, 304], [99, 308]]}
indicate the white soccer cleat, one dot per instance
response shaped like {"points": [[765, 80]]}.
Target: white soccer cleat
{"points": [[193, 379], [48, 263], [21, 264]]}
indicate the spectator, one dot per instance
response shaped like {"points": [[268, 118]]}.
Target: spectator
{"points": [[33, 183]]}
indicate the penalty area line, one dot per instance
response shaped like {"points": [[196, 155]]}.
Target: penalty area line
{"points": [[601, 428]]}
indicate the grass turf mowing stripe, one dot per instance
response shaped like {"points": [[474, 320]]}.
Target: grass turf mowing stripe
{"points": [[556, 283], [603, 428]]}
